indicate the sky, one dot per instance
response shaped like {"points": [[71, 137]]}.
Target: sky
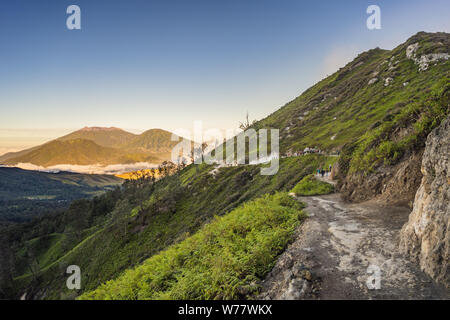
{"points": [[140, 64]]}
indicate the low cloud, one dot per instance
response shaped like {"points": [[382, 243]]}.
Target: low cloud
{"points": [[90, 169]]}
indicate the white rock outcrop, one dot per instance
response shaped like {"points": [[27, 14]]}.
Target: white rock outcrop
{"points": [[424, 60], [426, 236]]}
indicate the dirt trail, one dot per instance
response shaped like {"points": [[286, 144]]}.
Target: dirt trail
{"points": [[334, 248]]}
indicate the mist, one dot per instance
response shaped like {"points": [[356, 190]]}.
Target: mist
{"points": [[89, 169]]}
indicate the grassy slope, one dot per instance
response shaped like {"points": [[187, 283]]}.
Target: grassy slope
{"points": [[344, 109], [177, 208], [223, 260], [47, 250]]}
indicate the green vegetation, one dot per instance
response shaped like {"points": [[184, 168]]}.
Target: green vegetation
{"points": [[310, 186], [381, 146], [45, 250], [224, 260]]}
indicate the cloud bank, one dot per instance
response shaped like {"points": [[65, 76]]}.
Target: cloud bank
{"points": [[90, 169]]}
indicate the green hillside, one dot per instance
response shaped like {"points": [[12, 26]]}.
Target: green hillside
{"points": [[360, 104], [376, 112], [223, 260]]}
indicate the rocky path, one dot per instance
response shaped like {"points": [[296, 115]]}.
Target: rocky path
{"points": [[348, 251]]}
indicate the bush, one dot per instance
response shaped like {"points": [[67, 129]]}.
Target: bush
{"points": [[310, 186]]}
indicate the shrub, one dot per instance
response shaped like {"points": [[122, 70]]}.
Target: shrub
{"points": [[310, 186]]}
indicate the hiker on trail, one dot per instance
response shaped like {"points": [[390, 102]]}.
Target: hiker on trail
{"points": [[322, 172]]}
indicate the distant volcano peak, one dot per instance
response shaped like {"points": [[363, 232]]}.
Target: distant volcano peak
{"points": [[100, 129]]}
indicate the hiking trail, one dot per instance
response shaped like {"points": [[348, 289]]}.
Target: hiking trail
{"points": [[333, 249]]}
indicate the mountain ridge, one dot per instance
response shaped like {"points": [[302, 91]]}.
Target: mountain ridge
{"points": [[98, 145], [103, 136]]}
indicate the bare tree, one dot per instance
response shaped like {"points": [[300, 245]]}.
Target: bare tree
{"points": [[246, 124]]}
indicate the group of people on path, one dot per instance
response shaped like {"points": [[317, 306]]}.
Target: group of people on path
{"points": [[324, 172]]}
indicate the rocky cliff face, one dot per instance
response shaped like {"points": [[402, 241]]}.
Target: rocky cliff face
{"points": [[426, 237], [394, 185]]}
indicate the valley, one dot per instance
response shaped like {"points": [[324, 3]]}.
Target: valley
{"points": [[26, 194]]}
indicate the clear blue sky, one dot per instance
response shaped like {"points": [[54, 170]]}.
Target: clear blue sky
{"points": [[145, 64]]}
